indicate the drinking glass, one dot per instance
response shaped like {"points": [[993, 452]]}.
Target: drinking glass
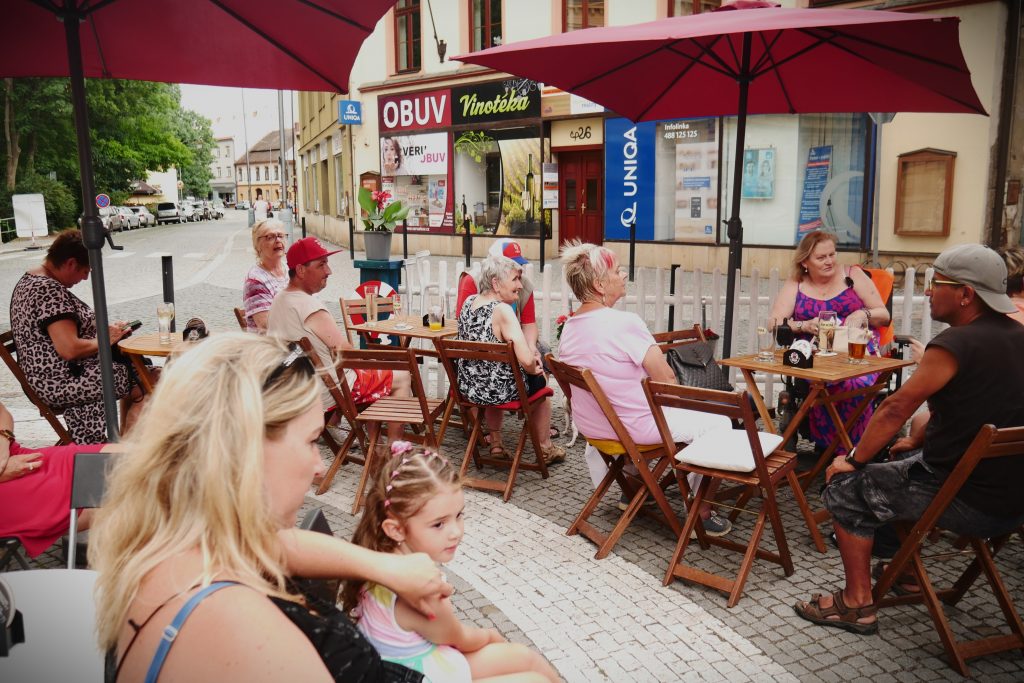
{"points": [[826, 332], [766, 342], [396, 304], [857, 343], [370, 293], [436, 311], [164, 316]]}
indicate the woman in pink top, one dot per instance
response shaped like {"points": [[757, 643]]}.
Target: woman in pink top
{"points": [[268, 277], [620, 351]]}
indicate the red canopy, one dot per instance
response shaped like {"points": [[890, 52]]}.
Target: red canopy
{"points": [[801, 60], [285, 44]]}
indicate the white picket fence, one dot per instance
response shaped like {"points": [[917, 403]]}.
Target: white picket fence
{"points": [[697, 296]]}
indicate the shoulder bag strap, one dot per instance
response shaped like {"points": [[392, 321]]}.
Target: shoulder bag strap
{"points": [[171, 631]]}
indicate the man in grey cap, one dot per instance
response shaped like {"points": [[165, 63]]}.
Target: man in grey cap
{"points": [[971, 374]]}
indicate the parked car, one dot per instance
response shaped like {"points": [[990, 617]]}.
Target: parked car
{"points": [[105, 215], [242, 205], [202, 210], [146, 219], [186, 211], [124, 219], [167, 212]]}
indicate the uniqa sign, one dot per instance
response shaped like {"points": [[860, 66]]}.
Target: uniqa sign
{"points": [[629, 178]]}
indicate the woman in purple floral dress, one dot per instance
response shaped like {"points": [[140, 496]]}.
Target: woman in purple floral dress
{"points": [[819, 283]]}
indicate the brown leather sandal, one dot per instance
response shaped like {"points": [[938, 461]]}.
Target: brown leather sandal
{"points": [[847, 616], [905, 583]]}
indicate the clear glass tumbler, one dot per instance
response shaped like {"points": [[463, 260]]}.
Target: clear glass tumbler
{"points": [[766, 342], [164, 316], [826, 332]]}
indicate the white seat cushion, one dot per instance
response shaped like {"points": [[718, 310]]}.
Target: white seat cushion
{"points": [[726, 449]]}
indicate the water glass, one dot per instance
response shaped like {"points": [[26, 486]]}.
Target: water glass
{"points": [[396, 305], [436, 311], [370, 292], [826, 332], [164, 316], [766, 342]]}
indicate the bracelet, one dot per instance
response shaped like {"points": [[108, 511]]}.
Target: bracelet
{"points": [[7, 434]]}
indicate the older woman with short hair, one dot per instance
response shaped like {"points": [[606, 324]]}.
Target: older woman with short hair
{"points": [[620, 351], [268, 276], [488, 317]]}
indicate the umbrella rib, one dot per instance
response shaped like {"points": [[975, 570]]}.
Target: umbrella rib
{"points": [[245, 22], [339, 17], [766, 56], [706, 51], [636, 59], [99, 47], [770, 58]]}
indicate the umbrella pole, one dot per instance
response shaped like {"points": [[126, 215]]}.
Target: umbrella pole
{"points": [[735, 225], [92, 226]]}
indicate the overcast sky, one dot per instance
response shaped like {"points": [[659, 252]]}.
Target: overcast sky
{"points": [[223, 106]]}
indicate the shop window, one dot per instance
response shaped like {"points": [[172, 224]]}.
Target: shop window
{"points": [[414, 169], [257, 174], [407, 35], [277, 172], [678, 8], [924, 193], [580, 14], [486, 17], [497, 172]]}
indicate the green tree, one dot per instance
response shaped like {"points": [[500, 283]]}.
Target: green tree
{"points": [[196, 134]]}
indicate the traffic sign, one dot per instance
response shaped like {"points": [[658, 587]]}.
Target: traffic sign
{"points": [[350, 112], [102, 201]]}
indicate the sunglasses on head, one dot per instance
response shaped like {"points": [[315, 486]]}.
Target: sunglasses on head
{"points": [[296, 357], [951, 283]]}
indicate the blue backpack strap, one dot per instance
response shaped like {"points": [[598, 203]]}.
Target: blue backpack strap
{"points": [[171, 631]]}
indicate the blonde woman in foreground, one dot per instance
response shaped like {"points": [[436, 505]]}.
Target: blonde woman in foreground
{"points": [[203, 512]]}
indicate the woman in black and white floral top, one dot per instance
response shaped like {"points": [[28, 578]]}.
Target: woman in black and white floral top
{"points": [[488, 317], [55, 336]]}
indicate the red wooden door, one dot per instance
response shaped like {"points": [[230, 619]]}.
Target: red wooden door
{"points": [[581, 197]]}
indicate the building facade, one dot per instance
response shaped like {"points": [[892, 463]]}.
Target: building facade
{"points": [[261, 169], [222, 171], [468, 147]]}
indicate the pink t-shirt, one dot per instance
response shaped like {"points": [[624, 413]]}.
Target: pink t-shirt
{"points": [[612, 344]]}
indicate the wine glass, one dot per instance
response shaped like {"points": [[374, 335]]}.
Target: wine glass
{"points": [[826, 332], [396, 306]]}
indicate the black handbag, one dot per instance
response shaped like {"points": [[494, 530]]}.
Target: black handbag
{"points": [[695, 366]]}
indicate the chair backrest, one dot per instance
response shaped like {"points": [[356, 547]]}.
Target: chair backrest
{"points": [[571, 377], [353, 312], [8, 353], [88, 484], [451, 350], [240, 317], [884, 282], [339, 391], [384, 358], [731, 404], [670, 340]]}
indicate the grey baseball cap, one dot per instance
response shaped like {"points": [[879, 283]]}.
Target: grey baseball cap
{"points": [[981, 268]]}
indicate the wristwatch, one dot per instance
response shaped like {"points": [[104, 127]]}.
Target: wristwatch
{"points": [[852, 461]]}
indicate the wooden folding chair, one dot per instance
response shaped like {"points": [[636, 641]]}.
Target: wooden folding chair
{"points": [[353, 312], [670, 340], [615, 455], [990, 443], [755, 460], [240, 317], [452, 350], [416, 410], [348, 411], [88, 484], [8, 353]]}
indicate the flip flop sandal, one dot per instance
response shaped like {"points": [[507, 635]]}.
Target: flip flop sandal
{"points": [[898, 586], [847, 616], [498, 452], [554, 455]]}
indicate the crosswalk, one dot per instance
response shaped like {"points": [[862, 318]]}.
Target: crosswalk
{"points": [[37, 256]]}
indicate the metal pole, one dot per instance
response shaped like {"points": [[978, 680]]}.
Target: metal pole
{"points": [[92, 226], [304, 227], [467, 238], [632, 248], [245, 136], [543, 234], [405, 239], [735, 224], [672, 291], [168, 273], [283, 160], [351, 238]]}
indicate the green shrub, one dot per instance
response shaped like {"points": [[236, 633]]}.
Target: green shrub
{"points": [[61, 204]]}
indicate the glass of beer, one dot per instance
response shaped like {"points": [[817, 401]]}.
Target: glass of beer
{"points": [[766, 341], [826, 332], [857, 344], [370, 293]]}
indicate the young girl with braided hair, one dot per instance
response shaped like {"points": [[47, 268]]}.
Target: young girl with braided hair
{"points": [[416, 506]]}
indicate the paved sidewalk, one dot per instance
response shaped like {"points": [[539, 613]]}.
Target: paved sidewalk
{"points": [[611, 619]]}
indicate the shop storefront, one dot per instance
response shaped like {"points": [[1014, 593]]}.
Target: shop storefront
{"points": [[465, 155]]}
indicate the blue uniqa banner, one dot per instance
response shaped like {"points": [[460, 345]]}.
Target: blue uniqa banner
{"points": [[819, 160], [628, 178]]}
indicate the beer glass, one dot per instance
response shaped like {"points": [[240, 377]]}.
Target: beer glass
{"points": [[857, 344], [164, 316], [370, 294], [766, 341], [826, 332]]}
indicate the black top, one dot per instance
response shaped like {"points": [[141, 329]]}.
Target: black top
{"points": [[985, 390]]}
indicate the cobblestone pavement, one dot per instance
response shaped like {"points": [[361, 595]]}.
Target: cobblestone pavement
{"points": [[611, 619]]}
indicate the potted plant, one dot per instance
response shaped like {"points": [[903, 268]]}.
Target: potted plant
{"points": [[379, 222]]}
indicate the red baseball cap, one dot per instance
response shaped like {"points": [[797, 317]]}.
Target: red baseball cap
{"points": [[509, 249], [305, 250]]}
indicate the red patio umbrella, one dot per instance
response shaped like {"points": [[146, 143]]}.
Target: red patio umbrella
{"points": [[283, 44], [762, 60]]}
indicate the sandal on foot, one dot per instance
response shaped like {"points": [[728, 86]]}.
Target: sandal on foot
{"points": [[498, 452], [554, 433], [553, 454], [905, 584], [845, 617]]}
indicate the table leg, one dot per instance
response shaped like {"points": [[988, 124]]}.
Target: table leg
{"points": [[755, 393], [142, 371]]}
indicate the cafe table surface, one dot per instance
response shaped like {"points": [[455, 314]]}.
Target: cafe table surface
{"points": [[826, 370], [59, 616], [138, 346]]}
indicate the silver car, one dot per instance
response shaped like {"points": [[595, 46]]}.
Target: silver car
{"points": [[122, 218], [167, 212], [146, 219]]}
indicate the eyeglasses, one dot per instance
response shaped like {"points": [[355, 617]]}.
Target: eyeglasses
{"points": [[951, 283], [273, 236], [295, 356]]}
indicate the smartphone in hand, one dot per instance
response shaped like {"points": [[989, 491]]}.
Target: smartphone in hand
{"points": [[132, 326]]}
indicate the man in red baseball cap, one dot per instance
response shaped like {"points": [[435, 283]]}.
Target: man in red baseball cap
{"points": [[297, 312]]}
